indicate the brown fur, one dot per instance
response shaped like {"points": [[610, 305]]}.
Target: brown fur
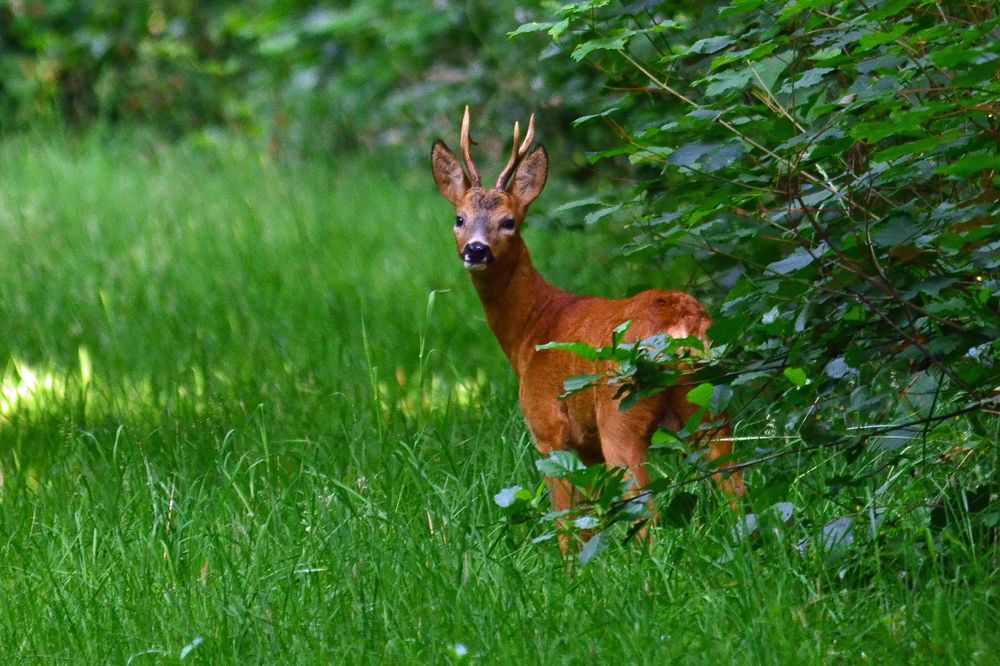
{"points": [[524, 311]]}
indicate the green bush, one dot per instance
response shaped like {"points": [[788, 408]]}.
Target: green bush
{"points": [[832, 168], [299, 76]]}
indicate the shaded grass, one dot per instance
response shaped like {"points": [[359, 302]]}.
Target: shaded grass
{"points": [[261, 443]]}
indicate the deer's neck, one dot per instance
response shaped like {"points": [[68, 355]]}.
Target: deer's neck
{"points": [[519, 305]]}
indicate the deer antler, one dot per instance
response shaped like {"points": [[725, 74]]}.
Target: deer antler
{"points": [[467, 152], [517, 153]]}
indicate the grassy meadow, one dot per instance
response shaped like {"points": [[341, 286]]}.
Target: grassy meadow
{"points": [[250, 412]]}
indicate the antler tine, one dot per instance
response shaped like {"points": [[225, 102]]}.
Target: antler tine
{"points": [[528, 138], [512, 162], [467, 151], [517, 153]]}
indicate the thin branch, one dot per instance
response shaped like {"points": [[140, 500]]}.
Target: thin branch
{"points": [[707, 476]]}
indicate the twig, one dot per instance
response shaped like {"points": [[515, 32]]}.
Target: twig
{"points": [[648, 495]]}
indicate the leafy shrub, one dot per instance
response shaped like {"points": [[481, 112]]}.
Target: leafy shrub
{"points": [[832, 167], [301, 76]]}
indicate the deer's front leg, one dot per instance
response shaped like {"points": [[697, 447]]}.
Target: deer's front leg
{"points": [[547, 421], [561, 493], [564, 497]]}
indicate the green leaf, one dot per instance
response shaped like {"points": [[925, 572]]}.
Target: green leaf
{"points": [[874, 39], [688, 154], [578, 203], [826, 54], [559, 29], [725, 330], [603, 114], [595, 216], [797, 376], [579, 383], [740, 7], [722, 394], [894, 231], [555, 29], [800, 258], [506, 497], [837, 368], [615, 42], [724, 59], [664, 439], [694, 421], [889, 8], [594, 547], [766, 72], [914, 147], [618, 334], [808, 79], [971, 165], [796, 7], [531, 27], [581, 349], [728, 81], [838, 534], [879, 130], [711, 44], [710, 157], [747, 377], [953, 56], [701, 395], [559, 464]]}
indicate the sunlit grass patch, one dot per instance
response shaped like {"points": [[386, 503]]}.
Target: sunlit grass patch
{"points": [[27, 390], [24, 387], [415, 396]]}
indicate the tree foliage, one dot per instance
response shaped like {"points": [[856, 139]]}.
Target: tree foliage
{"points": [[833, 169], [299, 75]]}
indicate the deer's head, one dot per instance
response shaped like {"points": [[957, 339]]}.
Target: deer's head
{"points": [[488, 221]]}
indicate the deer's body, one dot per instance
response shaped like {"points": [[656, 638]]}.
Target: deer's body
{"points": [[524, 311]]}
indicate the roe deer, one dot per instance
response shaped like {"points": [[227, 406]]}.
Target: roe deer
{"points": [[524, 311]]}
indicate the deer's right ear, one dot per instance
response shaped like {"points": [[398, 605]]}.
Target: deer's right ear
{"points": [[448, 173]]}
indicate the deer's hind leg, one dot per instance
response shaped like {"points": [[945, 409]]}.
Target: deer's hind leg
{"points": [[551, 430], [718, 440]]}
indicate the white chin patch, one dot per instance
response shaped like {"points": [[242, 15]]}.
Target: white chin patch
{"points": [[475, 266]]}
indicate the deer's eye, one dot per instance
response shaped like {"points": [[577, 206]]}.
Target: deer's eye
{"points": [[459, 221], [508, 224]]}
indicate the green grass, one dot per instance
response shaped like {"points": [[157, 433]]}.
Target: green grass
{"points": [[237, 427]]}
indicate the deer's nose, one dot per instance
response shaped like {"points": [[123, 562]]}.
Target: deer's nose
{"points": [[477, 253]]}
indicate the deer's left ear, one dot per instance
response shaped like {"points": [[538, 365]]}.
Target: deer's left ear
{"points": [[530, 177], [448, 173]]}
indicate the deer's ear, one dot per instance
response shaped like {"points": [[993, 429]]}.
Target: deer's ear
{"points": [[448, 173], [530, 177]]}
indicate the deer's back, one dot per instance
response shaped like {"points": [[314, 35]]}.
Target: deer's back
{"points": [[591, 319]]}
